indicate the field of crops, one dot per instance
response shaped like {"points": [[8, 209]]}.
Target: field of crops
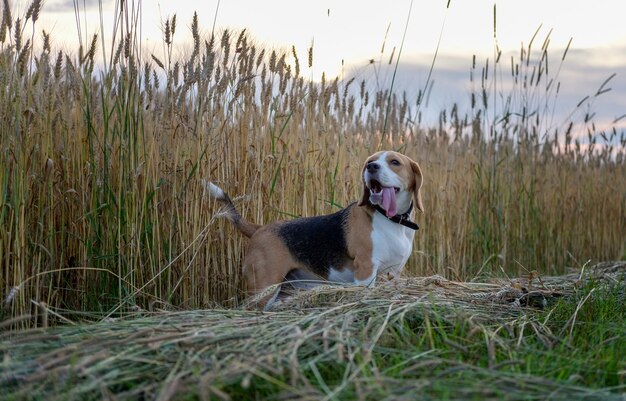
{"points": [[103, 151]]}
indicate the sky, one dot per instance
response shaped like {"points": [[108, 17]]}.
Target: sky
{"points": [[347, 34]]}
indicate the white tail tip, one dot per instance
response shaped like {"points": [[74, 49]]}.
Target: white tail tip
{"points": [[212, 189]]}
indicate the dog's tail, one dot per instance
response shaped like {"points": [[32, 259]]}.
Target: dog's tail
{"points": [[230, 212]]}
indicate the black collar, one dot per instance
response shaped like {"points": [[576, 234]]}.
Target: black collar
{"points": [[402, 219]]}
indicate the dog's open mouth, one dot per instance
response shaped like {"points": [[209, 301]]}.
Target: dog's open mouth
{"points": [[384, 196]]}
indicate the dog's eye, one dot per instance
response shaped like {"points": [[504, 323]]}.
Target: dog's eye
{"points": [[395, 162]]}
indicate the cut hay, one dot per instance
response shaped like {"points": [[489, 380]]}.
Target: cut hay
{"points": [[325, 343], [498, 296]]}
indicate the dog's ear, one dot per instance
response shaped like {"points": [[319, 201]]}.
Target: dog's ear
{"points": [[365, 198], [417, 196]]}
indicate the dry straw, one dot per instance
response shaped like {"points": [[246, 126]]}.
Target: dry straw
{"points": [[286, 354]]}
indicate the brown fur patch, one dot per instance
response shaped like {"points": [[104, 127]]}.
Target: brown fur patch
{"points": [[268, 260], [359, 241]]}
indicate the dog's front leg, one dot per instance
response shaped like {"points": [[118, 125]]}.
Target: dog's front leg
{"points": [[364, 272]]}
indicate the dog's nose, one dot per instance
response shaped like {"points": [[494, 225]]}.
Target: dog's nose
{"points": [[372, 167]]}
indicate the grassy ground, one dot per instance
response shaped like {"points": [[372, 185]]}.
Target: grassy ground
{"points": [[424, 338]]}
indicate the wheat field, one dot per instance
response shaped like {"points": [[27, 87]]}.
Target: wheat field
{"points": [[102, 153]]}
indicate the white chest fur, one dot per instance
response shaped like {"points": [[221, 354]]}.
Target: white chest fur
{"points": [[392, 244]]}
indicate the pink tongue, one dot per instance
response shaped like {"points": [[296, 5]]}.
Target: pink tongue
{"points": [[389, 201]]}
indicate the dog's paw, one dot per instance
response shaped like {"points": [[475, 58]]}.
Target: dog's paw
{"points": [[391, 276]]}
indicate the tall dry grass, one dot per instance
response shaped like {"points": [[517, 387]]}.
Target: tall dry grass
{"points": [[102, 210]]}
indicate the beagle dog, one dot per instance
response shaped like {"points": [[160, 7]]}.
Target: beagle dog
{"points": [[353, 245]]}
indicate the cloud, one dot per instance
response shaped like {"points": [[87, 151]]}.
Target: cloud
{"points": [[578, 79], [61, 6]]}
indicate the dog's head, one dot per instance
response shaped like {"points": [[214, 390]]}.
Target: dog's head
{"points": [[392, 181]]}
